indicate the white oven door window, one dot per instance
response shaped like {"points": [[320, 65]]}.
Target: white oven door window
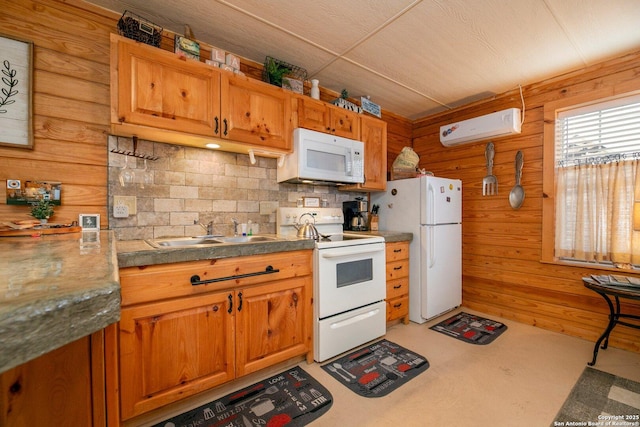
{"points": [[353, 272], [349, 277]]}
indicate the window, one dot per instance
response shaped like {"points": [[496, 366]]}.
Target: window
{"points": [[597, 182]]}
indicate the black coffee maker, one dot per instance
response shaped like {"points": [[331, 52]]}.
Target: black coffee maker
{"points": [[355, 215]]}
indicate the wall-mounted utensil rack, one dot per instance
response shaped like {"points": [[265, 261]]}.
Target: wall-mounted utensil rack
{"points": [[135, 153]]}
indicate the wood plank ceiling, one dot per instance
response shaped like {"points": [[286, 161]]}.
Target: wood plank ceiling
{"points": [[412, 57]]}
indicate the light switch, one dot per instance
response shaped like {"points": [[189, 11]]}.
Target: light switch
{"points": [[128, 201]]}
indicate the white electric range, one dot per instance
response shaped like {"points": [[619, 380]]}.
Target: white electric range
{"points": [[349, 283]]}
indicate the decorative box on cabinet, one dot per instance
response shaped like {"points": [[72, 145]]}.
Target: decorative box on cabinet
{"points": [[176, 339], [159, 96], [324, 117], [397, 257]]}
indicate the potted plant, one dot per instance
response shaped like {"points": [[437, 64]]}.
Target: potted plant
{"points": [[275, 71], [42, 210]]}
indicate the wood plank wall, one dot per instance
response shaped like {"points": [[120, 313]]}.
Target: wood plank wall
{"points": [[71, 104], [502, 272]]}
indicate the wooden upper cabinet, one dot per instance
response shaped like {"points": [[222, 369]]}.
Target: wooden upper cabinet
{"points": [[164, 91], [344, 123], [323, 117], [313, 115], [256, 113], [374, 135], [158, 96]]}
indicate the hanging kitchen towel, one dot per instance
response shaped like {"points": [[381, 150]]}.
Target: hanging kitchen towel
{"points": [[292, 398], [470, 328], [378, 369]]}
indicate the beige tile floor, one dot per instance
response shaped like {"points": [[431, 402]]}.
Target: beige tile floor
{"points": [[519, 380]]}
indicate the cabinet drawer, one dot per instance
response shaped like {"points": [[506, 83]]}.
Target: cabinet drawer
{"points": [[163, 281], [397, 308], [397, 269], [397, 251], [397, 288]]}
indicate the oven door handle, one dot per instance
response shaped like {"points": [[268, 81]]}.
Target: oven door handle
{"points": [[351, 253]]}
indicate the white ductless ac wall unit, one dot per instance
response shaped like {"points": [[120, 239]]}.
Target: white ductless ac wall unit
{"points": [[500, 123]]}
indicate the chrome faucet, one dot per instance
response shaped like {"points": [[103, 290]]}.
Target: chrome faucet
{"points": [[235, 226], [208, 227]]}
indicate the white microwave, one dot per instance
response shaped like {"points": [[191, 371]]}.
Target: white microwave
{"points": [[321, 158]]}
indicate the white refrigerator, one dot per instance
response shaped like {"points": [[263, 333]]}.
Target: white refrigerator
{"points": [[431, 209]]}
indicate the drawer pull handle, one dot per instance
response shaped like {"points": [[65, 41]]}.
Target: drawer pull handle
{"points": [[195, 279], [397, 305], [230, 304], [397, 286], [215, 131], [397, 250], [397, 268], [239, 301]]}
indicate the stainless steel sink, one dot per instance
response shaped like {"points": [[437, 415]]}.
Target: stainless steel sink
{"points": [[248, 239], [184, 241], [177, 242]]}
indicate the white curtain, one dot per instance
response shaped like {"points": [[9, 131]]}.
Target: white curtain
{"points": [[595, 207]]}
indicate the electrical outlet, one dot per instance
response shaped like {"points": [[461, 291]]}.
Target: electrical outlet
{"points": [[120, 211], [128, 201]]}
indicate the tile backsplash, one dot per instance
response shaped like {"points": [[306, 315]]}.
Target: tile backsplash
{"points": [[189, 185]]}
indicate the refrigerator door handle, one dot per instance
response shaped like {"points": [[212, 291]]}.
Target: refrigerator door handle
{"points": [[431, 203], [431, 243]]}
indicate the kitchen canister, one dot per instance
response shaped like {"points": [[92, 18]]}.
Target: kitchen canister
{"points": [[315, 89]]}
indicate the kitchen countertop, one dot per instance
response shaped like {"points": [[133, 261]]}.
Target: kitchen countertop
{"points": [[137, 253], [55, 289], [389, 236]]}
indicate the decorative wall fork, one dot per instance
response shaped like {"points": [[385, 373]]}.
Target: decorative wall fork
{"points": [[489, 182]]}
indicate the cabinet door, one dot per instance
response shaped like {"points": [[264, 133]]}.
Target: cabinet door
{"points": [[173, 349], [273, 323], [345, 123], [53, 389], [313, 115], [374, 135], [165, 92], [256, 113]]}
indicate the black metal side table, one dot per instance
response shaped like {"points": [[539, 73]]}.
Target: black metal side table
{"points": [[617, 292]]}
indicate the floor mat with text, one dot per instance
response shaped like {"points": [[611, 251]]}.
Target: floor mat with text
{"points": [[470, 328], [292, 398], [378, 369]]}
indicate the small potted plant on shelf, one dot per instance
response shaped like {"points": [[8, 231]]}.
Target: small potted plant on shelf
{"points": [[275, 71], [42, 210]]}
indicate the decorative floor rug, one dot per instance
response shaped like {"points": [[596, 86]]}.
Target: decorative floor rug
{"points": [[378, 369], [291, 398], [601, 399], [471, 328]]}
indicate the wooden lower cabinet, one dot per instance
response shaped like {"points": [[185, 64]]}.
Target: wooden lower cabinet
{"points": [[196, 337], [397, 257], [64, 387], [174, 348]]}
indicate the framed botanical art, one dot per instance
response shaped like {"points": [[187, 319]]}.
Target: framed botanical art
{"points": [[16, 128]]}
